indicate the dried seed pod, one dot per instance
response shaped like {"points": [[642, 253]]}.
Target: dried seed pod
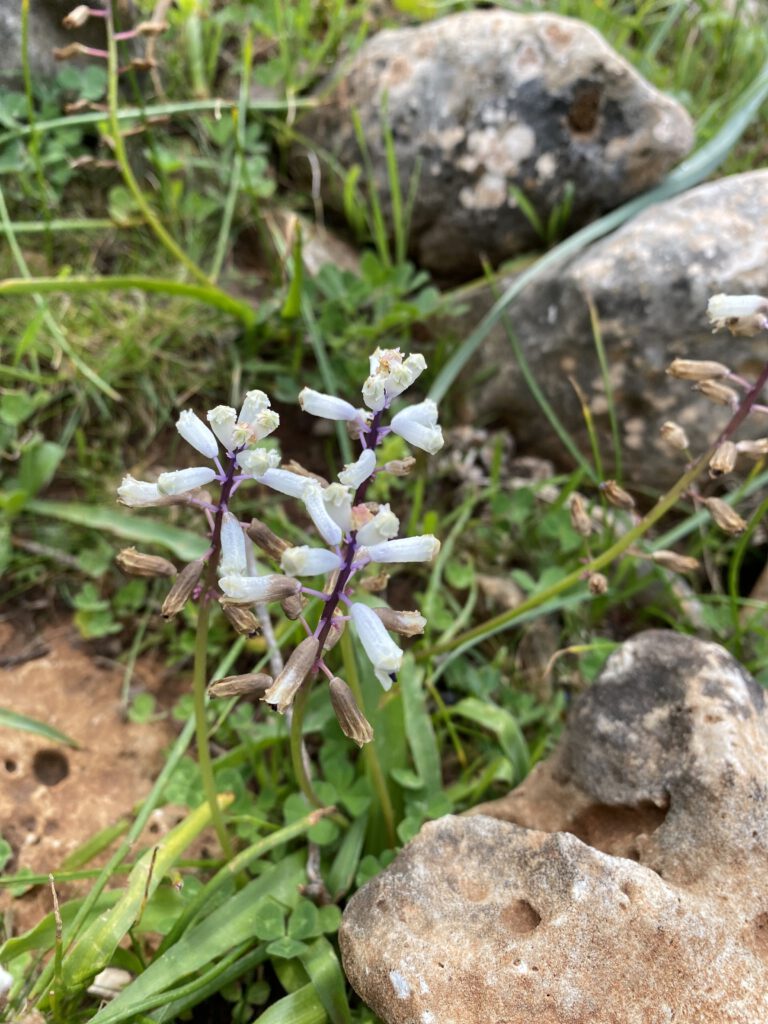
{"points": [[674, 435], [727, 518], [400, 467], [723, 460], [297, 668], [143, 63], [716, 392], [151, 28], [697, 369], [352, 721], [755, 449], [242, 620], [247, 685], [66, 52], [580, 518], [375, 584], [402, 622], [597, 583], [77, 17], [338, 625], [264, 538], [183, 588], [293, 606], [617, 496], [136, 563], [677, 563]]}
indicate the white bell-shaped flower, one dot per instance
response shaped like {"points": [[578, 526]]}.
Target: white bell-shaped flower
{"points": [[234, 560], [390, 375], [195, 432], [140, 493], [258, 589], [181, 480], [417, 424], [338, 504], [405, 549], [384, 654], [285, 481], [256, 461], [356, 473], [327, 407], [312, 497], [223, 420], [381, 528], [308, 561]]}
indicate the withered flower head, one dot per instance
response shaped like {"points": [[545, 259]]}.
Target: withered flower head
{"points": [[352, 721], [136, 563]]}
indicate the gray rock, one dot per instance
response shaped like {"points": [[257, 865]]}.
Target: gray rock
{"points": [[488, 99], [45, 33], [650, 282], [623, 883]]}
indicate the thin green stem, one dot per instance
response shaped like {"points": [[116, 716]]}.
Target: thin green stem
{"points": [[300, 773], [199, 681], [370, 753]]}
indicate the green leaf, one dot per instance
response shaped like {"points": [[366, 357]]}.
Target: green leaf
{"points": [[504, 726], [301, 1007], [183, 543], [304, 922], [322, 965], [43, 935], [342, 871], [12, 720], [418, 725], [92, 951], [270, 920], [37, 465], [286, 948]]}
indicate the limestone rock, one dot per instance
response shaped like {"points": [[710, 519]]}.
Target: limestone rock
{"points": [[649, 283], [626, 885], [45, 33], [484, 100]]}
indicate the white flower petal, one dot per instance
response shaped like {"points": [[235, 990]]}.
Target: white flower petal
{"points": [[356, 473], [312, 497], [255, 430], [255, 402], [139, 493], [384, 654], [424, 413], [272, 587], [405, 549], [233, 552], [307, 561], [223, 419], [285, 481], [195, 432], [338, 504], [182, 480], [429, 439], [381, 528], [390, 375], [256, 461], [327, 407]]}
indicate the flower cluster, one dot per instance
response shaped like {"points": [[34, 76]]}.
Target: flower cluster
{"points": [[355, 533]]}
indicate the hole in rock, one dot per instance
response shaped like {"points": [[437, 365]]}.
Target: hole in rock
{"points": [[520, 917], [50, 767], [614, 830], [10, 765], [584, 109], [758, 936]]}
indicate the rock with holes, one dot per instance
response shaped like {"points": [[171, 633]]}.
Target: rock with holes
{"points": [[648, 284], [624, 882], [491, 112]]}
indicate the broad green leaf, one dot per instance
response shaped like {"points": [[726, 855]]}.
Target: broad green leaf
{"points": [[504, 726], [43, 935], [225, 928], [304, 922], [270, 920], [302, 1007], [129, 526], [13, 720], [92, 951], [37, 465], [342, 871], [322, 965]]}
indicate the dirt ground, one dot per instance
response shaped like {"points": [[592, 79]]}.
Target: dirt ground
{"points": [[53, 798]]}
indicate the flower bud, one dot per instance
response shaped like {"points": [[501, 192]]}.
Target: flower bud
{"points": [[293, 606], [356, 473], [753, 449], [297, 668], [307, 561], [182, 589], [182, 480], [136, 563], [723, 460], [672, 560], [697, 369], [597, 583], [269, 542], [725, 517], [242, 620], [195, 432], [743, 315], [718, 393], [352, 721], [258, 589], [673, 435], [400, 467], [77, 17], [402, 622], [617, 496], [581, 520], [241, 686], [329, 530], [405, 549], [327, 407]]}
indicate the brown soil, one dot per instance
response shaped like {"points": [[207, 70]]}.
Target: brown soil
{"points": [[53, 798]]}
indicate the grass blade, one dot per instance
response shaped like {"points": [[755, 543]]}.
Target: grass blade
{"points": [[12, 720]]}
